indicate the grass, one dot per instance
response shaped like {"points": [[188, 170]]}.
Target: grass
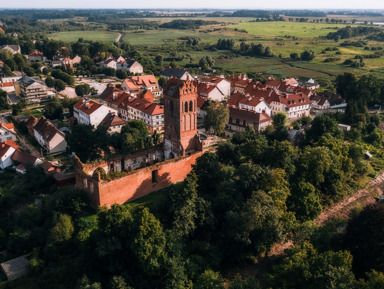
{"points": [[71, 36], [283, 38]]}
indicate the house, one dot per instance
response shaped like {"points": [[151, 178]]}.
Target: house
{"points": [[273, 83], [88, 111], [309, 83], [49, 137], [150, 113], [110, 63], [135, 84], [169, 72], [113, 96], [201, 104], [76, 60], [254, 103], [31, 89], [239, 119], [23, 158], [30, 124], [239, 83], [14, 49], [319, 101], [220, 82], [7, 86], [209, 91], [113, 123], [50, 168], [294, 105], [36, 56], [134, 67], [15, 268], [10, 79], [7, 132], [7, 148], [291, 82]]}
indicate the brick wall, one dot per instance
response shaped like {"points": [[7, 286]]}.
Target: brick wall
{"points": [[137, 184]]}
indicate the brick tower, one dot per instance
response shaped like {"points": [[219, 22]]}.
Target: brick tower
{"points": [[180, 118]]}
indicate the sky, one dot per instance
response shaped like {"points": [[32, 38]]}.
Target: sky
{"points": [[216, 4]]}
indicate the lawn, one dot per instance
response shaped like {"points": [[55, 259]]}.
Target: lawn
{"points": [[70, 36]]}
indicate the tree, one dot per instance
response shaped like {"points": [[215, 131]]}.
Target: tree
{"points": [[7, 70], [121, 74], [368, 253], [62, 230], [279, 120], [294, 56], [304, 267], [216, 118], [323, 124], [149, 242], [118, 282], [307, 55], [59, 85], [206, 62], [209, 280], [82, 89], [305, 202], [134, 136], [49, 81]]}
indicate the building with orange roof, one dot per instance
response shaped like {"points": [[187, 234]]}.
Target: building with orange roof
{"points": [[7, 132], [135, 84], [36, 56], [220, 82], [152, 114], [88, 111], [294, 105], [113, 123], [50, 138], [239, 119]]}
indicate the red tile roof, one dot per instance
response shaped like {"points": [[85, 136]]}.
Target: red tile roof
{"points": [[290, 100], [113, 95], [143, 105], [250, 117], [8, 126], [36, 53], [4, 147], [87, 106], [24, 158], [47, 130], [274, 83], [145, 80], [111, 120]]}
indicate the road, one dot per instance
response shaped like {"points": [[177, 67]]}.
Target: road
{"points": [[118, 37]]}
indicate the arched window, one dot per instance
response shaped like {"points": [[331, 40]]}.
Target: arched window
{"points": [[171, 105], [186, 106], [191, 106]]}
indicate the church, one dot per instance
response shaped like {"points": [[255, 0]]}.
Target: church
{"points": [[155, 168]]}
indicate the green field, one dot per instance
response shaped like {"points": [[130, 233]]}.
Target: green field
{"points": [[282, 37], [87, 35]]}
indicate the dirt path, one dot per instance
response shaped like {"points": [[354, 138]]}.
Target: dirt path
{"points": [[342, 209], [363, 197]]}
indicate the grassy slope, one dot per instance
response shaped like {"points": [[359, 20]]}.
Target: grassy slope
{"points": [[87, 35]]}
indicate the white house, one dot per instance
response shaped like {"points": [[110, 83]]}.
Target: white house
{"points": [[14, 49], [134, 67], [150, 113], [221, 83], [210, 91], [256, 104], [294, 105], [7, 132], [88, 111], [36, 56], [6, 152], [320, 102], [49, 137]]}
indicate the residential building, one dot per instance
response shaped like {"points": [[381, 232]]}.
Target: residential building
{"points": [[113, 123], [239, 83], [319, 101], [10, 79], [239, 119], [136, 84], [36, 56], [220, 82], [7, 148], [14, 49], [88, 111], [30, 88], [150, 113], [49, 137], [169, 72], [134, 67], [209, 91], [309, 83], [255, 103], [294, 105], [7, 132], [113, 96]]}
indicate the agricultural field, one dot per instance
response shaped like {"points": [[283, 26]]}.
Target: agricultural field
{"points": [[72, 36], [283, 37]]}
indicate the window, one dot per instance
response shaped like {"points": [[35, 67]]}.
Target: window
{"points": [[155, 177], [190, 106], [186, 106]]}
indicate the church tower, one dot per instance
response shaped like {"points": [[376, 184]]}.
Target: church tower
{"points": [[180, 118]]}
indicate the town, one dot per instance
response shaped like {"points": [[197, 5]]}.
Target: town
{"points": [[173, 164]]}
